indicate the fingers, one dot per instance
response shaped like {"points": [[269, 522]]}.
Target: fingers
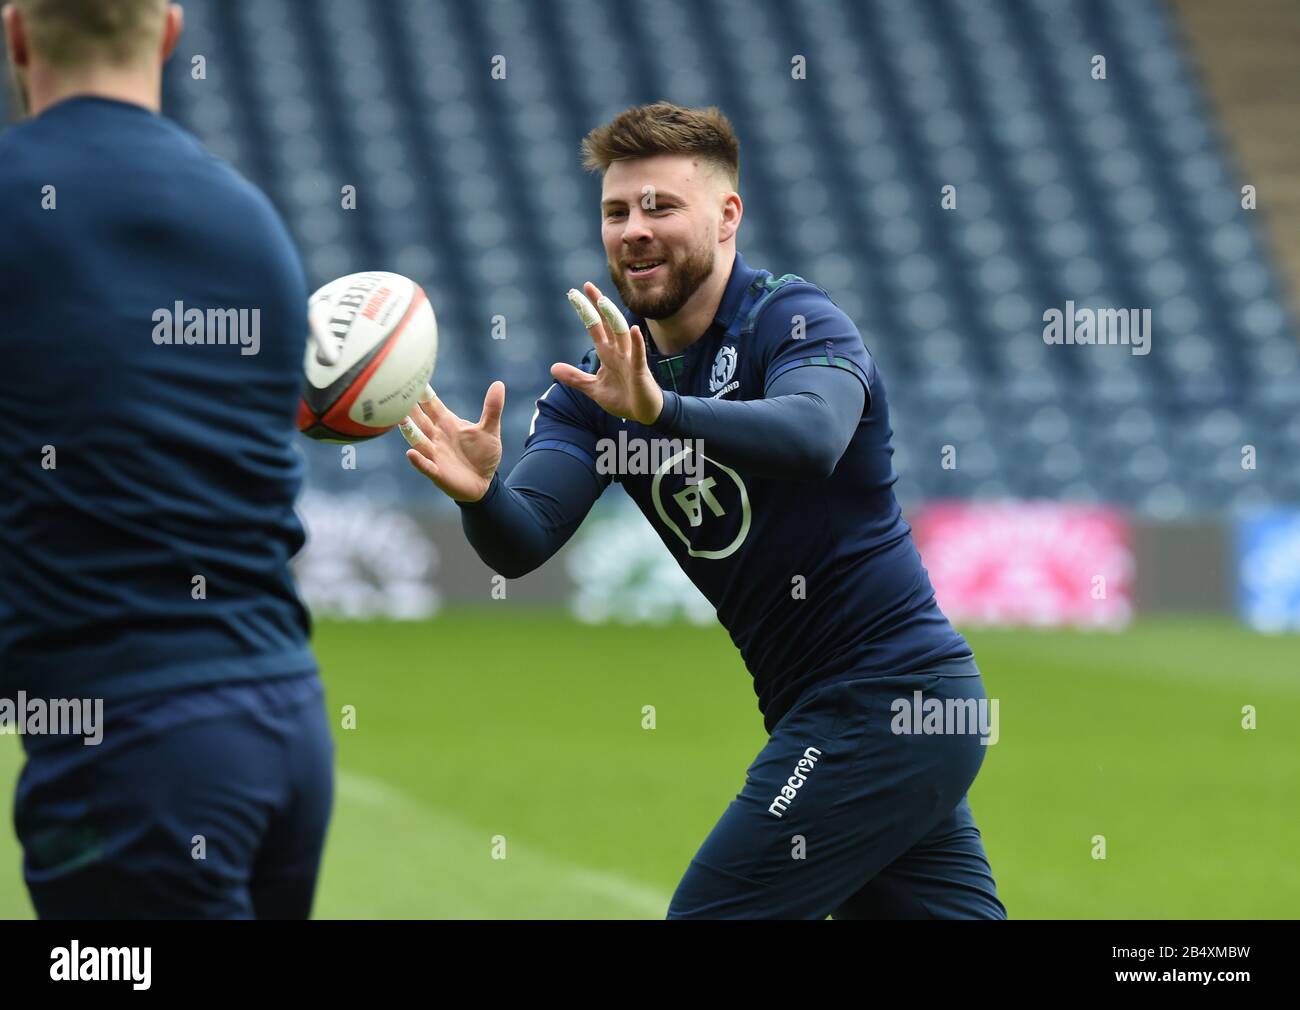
{"points": [[432, 407], [602, 318], [419, 428], [585, 309], [615, 324], [421, 425], [638, 349], [422, 463], [493, 404], [418, 431], [574, 378], [413, 435], [318, 326], [590, 318], [594, 298], [408, 427]]}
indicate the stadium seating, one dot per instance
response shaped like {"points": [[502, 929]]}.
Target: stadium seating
{"points": [[1109, 193]]}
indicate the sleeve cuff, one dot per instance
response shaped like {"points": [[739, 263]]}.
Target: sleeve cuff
{"points": [[670, 415]]}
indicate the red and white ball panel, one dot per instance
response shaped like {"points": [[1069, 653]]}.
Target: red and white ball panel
{"points": [[386, 337]]}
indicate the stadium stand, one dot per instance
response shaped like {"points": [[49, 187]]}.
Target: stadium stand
{"points": [[1108, 193]]}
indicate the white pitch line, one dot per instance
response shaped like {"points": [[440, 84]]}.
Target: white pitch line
{"points": [[631, 895]]}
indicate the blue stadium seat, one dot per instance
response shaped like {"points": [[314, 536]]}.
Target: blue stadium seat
{"points": [[1107, 192]]}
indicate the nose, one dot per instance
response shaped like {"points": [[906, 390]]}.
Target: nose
{"points": [[637, 230]]}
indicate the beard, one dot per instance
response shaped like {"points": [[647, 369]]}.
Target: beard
{"points": [[684, 278]]}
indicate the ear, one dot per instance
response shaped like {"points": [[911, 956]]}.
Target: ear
{"points": [[15, 36], [732, 211], [172, 29]]}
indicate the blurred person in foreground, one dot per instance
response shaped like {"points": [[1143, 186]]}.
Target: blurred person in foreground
{"points": [[154, 323]]}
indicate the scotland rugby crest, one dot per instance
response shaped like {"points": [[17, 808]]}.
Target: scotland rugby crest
{"points": [[724, 367]]}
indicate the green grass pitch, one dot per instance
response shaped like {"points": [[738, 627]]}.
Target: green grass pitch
{"points": [[490, 728]]}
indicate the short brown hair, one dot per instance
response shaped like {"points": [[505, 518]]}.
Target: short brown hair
{"points": [[664, 128], [68, 33]]}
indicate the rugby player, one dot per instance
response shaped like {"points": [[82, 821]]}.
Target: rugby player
{"points": [[152, 327], [788, 524]]}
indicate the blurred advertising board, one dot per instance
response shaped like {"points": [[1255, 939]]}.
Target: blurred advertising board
{"points": [[1268, 570], [1041, 564]]}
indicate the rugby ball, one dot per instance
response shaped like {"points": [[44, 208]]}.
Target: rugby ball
{"points": [[373, 347]]}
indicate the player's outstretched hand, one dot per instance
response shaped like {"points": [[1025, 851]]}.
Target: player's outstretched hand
{"points": [[623, 385], [459, 456]]}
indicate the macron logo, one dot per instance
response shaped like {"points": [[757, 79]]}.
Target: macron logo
{"points": [[102, 964], [794, 783]]}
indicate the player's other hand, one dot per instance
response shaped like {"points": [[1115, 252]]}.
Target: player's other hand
{"points": [[459, 456], [623, 385]]}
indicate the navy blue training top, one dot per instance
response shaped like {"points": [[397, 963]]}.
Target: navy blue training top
{"points": [[815, 579], [148, 472]]}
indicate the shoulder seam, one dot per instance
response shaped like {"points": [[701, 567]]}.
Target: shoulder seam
{"points": [[773, 286]]}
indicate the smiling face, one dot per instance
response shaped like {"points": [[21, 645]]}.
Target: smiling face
{"points": [[664, 223]]}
